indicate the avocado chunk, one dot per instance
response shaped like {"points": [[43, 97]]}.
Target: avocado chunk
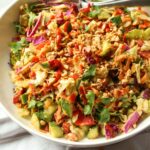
{"points": [[147, 34], [35, 121], [93, 133], [24, 98], [105, 48], [135, 34], [104, 15], [55, 130]]}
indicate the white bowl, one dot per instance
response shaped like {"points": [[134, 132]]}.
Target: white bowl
{"points": [[6, 92]]}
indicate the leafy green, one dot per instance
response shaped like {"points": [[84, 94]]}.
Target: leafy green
{"points": [[104, 115], [19, 28], [87, 28], [43, 116], [24, 98], [117, 20], [39, 104], [17, 46], [106, 100], [90, 99], [95, 12], [66, 107], [89, 73], [32, 17], [87, 109], [14, 57], [32, 104]]}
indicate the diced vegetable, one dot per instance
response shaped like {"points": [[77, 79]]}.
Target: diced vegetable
{"points": [[67, 108], [24, 98], [23, 112], [90, 98], [93, 133], [116, 20], [146, 34], [106, 47], [17, 46], [32, 104], [135, 34], [104, 15], [146, 94], [55, 130], [131, 121], [104, 115], [44, 116], [35, 121], [45, 65], [89, 73]]}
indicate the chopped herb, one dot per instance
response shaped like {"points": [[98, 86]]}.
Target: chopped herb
{"points": [[87, 110], [87, 28], [32, 18], [126, 10], [104, 115], [14, 57], [66, 107], [24, 98], [17, 46], [19, 28], [90, 99], [117, 20], [32, 104], [107, 100], [43, 116], [39, 104], [96, 8], [45, 65], [89, 73]]}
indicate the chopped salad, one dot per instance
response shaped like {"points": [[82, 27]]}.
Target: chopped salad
{"points": [[81, 72]]}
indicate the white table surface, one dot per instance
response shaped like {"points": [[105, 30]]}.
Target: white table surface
{"points": [[27, 141]]}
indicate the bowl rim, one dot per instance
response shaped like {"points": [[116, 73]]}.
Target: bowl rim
{"points": [[64, 141]]}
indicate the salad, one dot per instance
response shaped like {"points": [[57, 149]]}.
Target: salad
{"points": [[81, 72]]}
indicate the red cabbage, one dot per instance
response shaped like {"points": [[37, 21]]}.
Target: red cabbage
{"points": [[111, 130], [30, 33], [146, 94], [36, 40], [131, 121]]}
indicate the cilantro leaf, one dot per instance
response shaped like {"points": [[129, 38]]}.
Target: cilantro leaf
{"points": [[107, 100], [66, 107], [89, 73], [104, 115], [19, 28], [43, 116], [87, 109], [14, 57], [17, 46], [117, 20], [95, 12], [90, 99], [32, 104], [39, 104], [32, 17]]}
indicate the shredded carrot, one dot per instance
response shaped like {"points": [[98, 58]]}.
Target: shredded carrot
{"points": [[41, 45]]}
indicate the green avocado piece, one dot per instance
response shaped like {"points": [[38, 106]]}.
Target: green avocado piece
{"points": [[55, 130], [93, 133]]}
